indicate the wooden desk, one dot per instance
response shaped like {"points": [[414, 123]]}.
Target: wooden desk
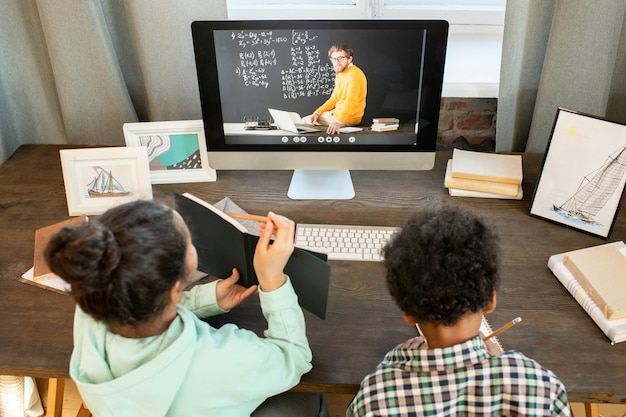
{"points": [[363, 322]]}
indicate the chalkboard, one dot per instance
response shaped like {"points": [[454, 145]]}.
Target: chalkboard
{"points": [[290, 70]]}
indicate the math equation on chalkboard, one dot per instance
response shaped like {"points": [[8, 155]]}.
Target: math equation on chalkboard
{"points": [[292, 62]]}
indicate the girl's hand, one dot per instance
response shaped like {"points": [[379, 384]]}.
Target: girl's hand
{"points": [[230, 294], [270, 258]]}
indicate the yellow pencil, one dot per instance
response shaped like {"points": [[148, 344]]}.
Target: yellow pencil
{"points": [[248, 217], [503, 328]]}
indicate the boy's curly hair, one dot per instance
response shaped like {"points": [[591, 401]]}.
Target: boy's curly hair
{"points": [[443, 264]]}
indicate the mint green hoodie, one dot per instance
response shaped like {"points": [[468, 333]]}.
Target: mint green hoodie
{"points": [[192, 369]]}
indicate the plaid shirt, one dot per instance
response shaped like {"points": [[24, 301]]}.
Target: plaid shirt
{"points": [[462, 380]]}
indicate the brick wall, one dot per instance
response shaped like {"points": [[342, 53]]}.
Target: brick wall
{"points": [[468, 121]]}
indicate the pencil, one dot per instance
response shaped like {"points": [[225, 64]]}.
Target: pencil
{"points": [[503, 328], [248, 217]]}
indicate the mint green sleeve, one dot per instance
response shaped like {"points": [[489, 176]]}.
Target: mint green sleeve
{"points": [[291, 355], [202, 300]]}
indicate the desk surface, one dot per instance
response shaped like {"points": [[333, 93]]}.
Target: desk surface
{"points": [[362, 322]]}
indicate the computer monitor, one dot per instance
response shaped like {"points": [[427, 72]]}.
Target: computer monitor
{"points": [[245, 68]]}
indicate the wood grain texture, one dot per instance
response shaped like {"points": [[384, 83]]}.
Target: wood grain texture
{"points": [[363, 322]]}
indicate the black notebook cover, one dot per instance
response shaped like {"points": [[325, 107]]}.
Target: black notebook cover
{"points": [[222, 245]]}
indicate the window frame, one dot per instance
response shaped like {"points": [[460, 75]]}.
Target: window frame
{"points": [[475, 35], [456, 12]]}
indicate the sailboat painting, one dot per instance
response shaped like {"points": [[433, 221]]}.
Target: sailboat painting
{"points": [[584, 173], [105, 184], [97, 179], [595, 189]]}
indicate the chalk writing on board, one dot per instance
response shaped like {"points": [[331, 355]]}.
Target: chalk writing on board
{"points": [[249, 38], [301, 37], [303, 69]]}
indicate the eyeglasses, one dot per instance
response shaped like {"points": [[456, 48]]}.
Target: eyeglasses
{"points": [[337, 59]]}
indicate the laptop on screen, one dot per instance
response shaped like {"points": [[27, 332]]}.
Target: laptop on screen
{"points": [[284, 122]]}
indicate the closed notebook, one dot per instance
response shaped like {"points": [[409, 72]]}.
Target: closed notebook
{"points": [[614, 329], [41, 270], [386, 120], [459, 192], [223, 243], [507, 190], [487, 166], [601, 271], [455, 192]]}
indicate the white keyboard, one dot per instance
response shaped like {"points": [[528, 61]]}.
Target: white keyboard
{"points": [[343, 242]]}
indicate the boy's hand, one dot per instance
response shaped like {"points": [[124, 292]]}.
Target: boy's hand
{"points": [[230, 294], [492, 346], [418, 342]]}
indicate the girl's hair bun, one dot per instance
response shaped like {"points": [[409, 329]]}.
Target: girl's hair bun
{"points": [[84, 254], [111, 255]]}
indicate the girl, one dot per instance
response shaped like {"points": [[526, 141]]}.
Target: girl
{"points": [[140, 348]]}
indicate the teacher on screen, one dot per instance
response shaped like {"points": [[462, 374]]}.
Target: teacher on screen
{"points": [[346, 104]]}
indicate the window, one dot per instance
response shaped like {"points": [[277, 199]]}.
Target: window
{"points": [[475, 38], [462, 12], [456, 12]]}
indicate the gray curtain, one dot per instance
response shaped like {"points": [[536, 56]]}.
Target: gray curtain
{"points": [[74, 71], [559, 53]]}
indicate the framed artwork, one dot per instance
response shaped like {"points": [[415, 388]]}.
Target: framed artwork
{"points": [[176, 150], [582, 179], [97, 179]]}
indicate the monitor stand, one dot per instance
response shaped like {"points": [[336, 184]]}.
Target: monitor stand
{"points": [[321, 185]]}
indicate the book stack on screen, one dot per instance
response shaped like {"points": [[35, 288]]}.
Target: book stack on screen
{"points": [[385, 124], [484, 174], [596, 278]]}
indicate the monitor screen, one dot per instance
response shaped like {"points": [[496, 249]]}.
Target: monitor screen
{"points": [[378, 81]]}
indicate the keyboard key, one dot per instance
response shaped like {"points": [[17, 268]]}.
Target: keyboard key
{"points": [[345, 256]]}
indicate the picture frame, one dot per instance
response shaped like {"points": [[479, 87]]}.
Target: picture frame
{"points": [[97, 179], [176, 150], [582, 179]]}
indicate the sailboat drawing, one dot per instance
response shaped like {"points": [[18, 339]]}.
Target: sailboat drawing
{"points": [[105, 185], [595, 189]]}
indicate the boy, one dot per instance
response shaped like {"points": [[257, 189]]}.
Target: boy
{"points": [[442, 271]]}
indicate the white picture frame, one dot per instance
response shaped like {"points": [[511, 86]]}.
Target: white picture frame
{"points": [[176, 150], [97, 179], [582, 179]]}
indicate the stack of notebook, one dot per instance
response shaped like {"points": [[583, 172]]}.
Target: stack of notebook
{"points": [[384, 124], [484, 174]]}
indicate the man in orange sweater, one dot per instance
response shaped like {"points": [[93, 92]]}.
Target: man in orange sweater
{"points": [[346, 104]]}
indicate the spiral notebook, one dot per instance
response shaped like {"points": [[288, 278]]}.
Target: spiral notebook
{"points": [[486, 330]]}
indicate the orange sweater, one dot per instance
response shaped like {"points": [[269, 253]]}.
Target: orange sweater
{"points": [[347, 102]]}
